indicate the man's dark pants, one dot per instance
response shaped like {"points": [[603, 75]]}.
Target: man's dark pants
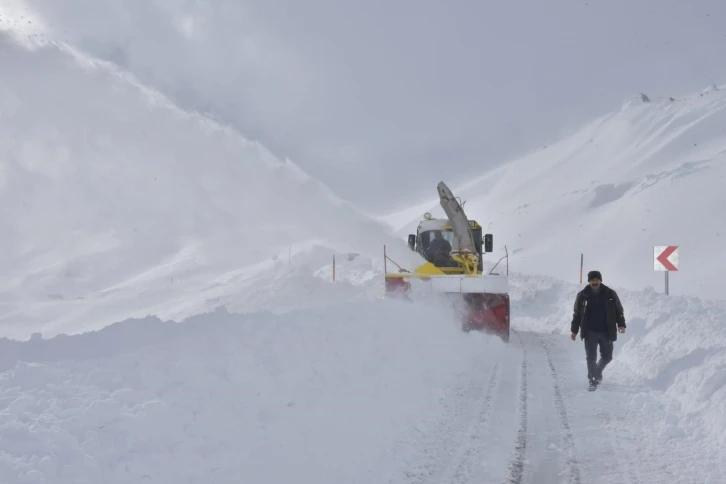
{"points": [[592, 340]]}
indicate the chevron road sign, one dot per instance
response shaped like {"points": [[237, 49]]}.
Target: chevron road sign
{"points": [[666, 259]]}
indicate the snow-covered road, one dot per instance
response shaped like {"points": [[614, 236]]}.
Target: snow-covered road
{"points": [[357, 393], [507, 420], [529, 418]]}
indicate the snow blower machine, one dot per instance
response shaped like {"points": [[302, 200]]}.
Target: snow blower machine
{"points": [[453, 248]]}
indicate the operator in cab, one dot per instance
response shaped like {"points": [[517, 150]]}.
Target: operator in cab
{"points": [[439, 249]]}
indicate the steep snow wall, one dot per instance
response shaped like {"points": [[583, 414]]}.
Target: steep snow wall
{"points": [[118, 204], [318, 395]]}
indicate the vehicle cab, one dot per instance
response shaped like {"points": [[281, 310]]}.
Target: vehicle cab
{"points": [[429, 227]]}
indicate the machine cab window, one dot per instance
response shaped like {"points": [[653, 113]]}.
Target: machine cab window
{"points": [[429, 236], [436, 247]]}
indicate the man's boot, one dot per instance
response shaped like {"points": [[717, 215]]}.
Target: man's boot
{"points": [[593, 384], [598, 372]]}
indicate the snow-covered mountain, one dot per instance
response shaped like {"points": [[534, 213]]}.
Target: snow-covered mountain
{"points": [[117, 204], [375, 98], [649, 174]]}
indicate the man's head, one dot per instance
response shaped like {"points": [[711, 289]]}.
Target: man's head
{"points": [[594, 278]]}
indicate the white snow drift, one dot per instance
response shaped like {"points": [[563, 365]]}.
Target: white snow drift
{"points": [[220, 398]]}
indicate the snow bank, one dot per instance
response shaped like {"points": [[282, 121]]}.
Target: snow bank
{"points": [[117, 204], [647, 174], [314, 396], [673, 344]]}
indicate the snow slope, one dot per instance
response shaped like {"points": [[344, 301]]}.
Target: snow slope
{"points": [[648, 174], [117, 204], [271, 69]]}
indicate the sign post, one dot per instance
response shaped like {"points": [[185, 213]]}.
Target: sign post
{"points": [[666, 259]]}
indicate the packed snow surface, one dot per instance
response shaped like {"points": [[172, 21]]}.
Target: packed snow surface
{"points": [[119, 206], [312, 398]]}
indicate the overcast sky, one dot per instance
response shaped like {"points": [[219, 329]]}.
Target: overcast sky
{"points": [[382, 98]]}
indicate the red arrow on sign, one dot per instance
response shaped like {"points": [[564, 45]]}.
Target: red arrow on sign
{"points": [[663, 258]]}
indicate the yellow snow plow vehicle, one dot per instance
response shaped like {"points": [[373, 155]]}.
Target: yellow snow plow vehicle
{"points": [[453, 248]]}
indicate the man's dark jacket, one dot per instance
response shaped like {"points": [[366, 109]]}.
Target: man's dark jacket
{"points": [[615, 312]]}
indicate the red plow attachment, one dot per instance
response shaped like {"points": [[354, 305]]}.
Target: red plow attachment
{"points": [[482, 301]]}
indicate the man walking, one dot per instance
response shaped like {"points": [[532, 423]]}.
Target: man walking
{"points": [[598, 316]]}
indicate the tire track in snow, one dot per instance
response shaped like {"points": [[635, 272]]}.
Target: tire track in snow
{"points": [[473, 449], [458, 466], [429, 457], [572, 464], [604, 458], [612, 433], [516, 464]]}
